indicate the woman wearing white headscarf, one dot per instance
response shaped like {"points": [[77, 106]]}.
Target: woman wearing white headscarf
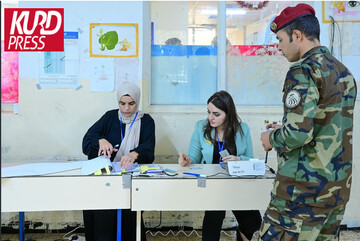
{"points": [[134, 131]]}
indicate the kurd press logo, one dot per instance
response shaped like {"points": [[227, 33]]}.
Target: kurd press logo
{"points": [[34, 29]]}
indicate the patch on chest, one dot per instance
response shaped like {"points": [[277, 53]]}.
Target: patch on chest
{"points": [[292, 99]]}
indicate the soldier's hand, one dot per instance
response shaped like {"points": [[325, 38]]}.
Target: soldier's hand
{"points": [[265, 140]]}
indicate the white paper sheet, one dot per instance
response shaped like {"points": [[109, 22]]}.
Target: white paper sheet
{"points": [[36, 169], [126, 70], [102, 74], [61, 69], [93, 165]]}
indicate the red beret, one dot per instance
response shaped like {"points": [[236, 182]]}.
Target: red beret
{"points": [[289, 15]]}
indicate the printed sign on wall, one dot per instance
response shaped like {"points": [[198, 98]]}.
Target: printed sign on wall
{"points": [[341, 11], [114, 40]]}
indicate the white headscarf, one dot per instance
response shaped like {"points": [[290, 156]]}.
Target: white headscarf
{"points": [[132, 135]]}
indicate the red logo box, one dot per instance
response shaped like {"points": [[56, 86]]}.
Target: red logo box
{"points": [[34, 29]]}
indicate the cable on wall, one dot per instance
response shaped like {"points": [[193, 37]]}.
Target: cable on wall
{"points": [[160, 220], [72, 237], [335, 27]]}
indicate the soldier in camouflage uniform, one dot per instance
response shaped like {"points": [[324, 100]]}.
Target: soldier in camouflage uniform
{"points": [[314, 142]]}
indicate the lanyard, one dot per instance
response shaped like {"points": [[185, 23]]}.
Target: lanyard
{"points": [[122, 137], [222, 147]]}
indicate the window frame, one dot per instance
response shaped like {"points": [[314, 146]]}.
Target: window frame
{"points": [[221, 71]]}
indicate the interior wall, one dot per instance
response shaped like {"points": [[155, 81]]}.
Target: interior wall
{"points": [[259, 29], [235, 36]]}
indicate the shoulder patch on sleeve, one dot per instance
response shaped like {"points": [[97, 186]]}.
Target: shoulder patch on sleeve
{"points": [[292, 99]]}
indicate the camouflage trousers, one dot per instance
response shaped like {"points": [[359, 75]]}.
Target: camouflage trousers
{"points": [[289, 221]]}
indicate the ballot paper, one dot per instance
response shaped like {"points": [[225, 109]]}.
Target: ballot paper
{"points": [[102, 165], [94, 165]]}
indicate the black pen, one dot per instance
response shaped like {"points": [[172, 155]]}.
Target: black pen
{"points": [[272, 170], [266, 157]]}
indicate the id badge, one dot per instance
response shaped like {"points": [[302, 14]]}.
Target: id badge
{"points": [[224, 153]]}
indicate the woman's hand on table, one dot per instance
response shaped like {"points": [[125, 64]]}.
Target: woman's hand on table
{"points": [[184, 160], [231, 158], [127, 160]]}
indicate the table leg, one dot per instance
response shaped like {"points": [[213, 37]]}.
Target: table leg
{"points": [[21, 226], [138, 225], [118, 232]]}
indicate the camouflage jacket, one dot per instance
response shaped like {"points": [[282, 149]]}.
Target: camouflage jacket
{"points": [[314, 144]]}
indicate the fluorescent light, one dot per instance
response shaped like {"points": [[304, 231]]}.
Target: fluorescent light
{"points": [[228, 11], [209, 11], [235, 12]]}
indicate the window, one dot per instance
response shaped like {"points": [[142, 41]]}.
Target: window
{"points": [[183, 60], [187, 65], [255, 67]]}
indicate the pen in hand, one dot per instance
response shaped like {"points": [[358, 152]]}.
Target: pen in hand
{"points": [[268, 128], [266, 157], [115, 147]]}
